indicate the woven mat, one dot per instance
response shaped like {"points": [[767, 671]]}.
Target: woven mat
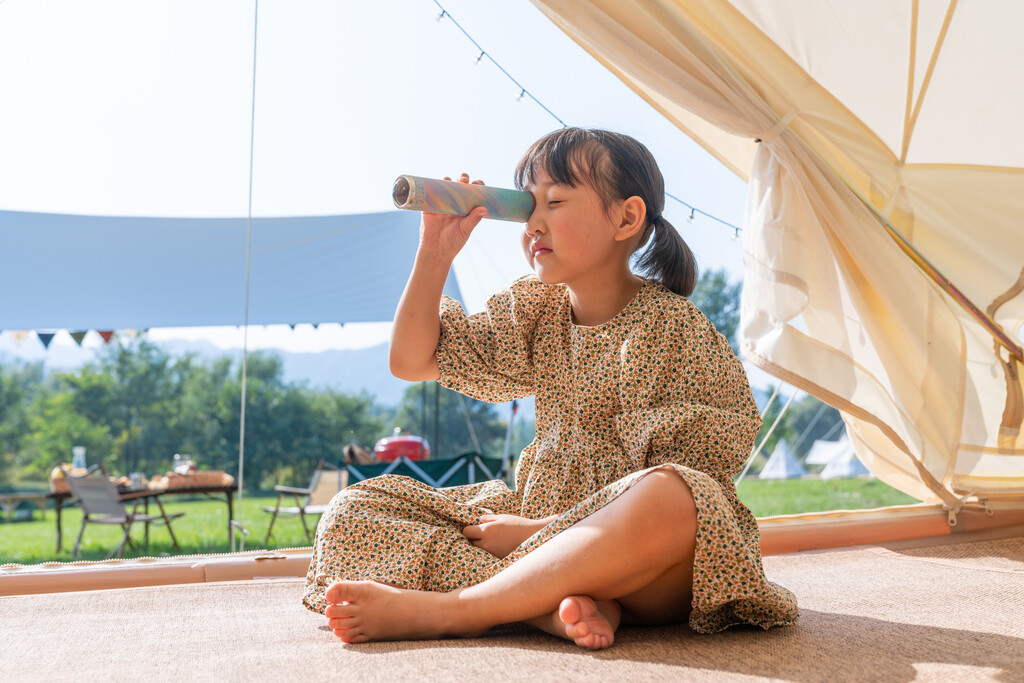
{"points": [[950, 612]]}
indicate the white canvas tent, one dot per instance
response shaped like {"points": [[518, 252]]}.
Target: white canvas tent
{"points": [[782, 464], [823, 452], [876, 136], [844, 465]]}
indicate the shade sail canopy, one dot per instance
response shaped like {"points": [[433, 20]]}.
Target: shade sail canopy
{"points": [[114, 272], [864, 113]]}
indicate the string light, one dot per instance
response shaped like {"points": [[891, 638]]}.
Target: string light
{"points": [[523, 93], [694, 211]]}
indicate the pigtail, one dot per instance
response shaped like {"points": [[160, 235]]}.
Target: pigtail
{"points": [[669, 259]]}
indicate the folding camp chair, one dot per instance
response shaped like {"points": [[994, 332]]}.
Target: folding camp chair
{"points": [[101, 504], [327, 480]]}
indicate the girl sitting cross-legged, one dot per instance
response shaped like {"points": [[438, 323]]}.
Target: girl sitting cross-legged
{"points": [[624, 508]]}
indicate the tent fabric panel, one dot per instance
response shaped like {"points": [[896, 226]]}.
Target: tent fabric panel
{"points": [[830, 302], [175, 272], [860, 52]]}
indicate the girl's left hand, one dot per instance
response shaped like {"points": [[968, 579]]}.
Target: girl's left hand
{"points": [[501, 534]]}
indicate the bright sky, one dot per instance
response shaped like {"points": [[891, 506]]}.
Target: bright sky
{"points": [[129, 108]]}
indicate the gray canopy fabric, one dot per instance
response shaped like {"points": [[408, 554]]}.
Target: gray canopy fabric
{"points": [[112, 272]]}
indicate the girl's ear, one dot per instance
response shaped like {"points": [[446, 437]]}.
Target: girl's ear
{"points": [[632, 219]]}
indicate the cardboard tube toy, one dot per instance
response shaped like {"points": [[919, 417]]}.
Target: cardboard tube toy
{"points": [[445, 196]]}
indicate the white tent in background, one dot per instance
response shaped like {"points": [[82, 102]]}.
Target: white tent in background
{"points": [[845, 464], [823, 452], [782, 465]]}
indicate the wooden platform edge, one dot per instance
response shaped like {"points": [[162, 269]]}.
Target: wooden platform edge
{"points": [[779, 535]]}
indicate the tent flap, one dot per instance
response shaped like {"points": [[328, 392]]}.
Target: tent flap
{"points": [[866, 111]]}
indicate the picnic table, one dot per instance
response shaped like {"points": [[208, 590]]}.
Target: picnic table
{"points": [[178, 487], [9, 502]]}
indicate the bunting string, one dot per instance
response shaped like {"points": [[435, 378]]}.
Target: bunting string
{"points": [[524, 93]]}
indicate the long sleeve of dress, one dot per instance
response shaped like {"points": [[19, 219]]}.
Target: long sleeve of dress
{"points": [[488, 355]]}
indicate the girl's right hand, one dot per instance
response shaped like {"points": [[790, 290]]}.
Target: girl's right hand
{"points": [[443, 235], [501, 534]]}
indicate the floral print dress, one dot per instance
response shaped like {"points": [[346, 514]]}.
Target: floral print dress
{"points": [[655, 386]]}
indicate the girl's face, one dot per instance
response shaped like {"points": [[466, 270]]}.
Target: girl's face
{"points": [[570, 237]]}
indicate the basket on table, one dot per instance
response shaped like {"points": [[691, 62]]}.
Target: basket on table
{"points": [[198, 479]]}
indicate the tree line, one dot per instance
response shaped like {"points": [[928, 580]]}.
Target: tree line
{"points": [[136, 406]]}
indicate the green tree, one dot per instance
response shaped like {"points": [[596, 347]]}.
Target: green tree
{"points": [[18, 386], [719, 299], [807, 420], [56, 426]]}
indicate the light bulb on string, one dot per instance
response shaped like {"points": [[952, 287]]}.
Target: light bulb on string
{"points": [[736, 235], [479, 58], [521, 95], [441, 15], [689, 219]]}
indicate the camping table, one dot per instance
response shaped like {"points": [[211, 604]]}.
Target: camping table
{"points": [[229, 490], [9, 502]]}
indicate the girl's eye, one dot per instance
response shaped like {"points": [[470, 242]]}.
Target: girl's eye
{"points": [[553, 202]]}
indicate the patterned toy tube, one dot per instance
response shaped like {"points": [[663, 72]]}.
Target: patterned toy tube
{"points": [[445, 196]]}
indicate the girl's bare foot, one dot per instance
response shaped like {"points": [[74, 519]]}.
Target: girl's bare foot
{"points": [[361, 611], [588, 623]]}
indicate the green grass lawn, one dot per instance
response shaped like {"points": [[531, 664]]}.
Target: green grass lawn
{"points": [[767, 497], [203, 529]]}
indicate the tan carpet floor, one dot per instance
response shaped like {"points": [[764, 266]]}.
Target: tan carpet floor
{"points": [[952, 612]]}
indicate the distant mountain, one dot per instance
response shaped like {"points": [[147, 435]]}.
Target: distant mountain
{"points": [[347, 370]]}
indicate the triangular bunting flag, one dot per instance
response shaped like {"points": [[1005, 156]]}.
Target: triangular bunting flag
{"points": [[46, 338], [131, 334], [316, 325], [106, 334], [19, 336], [292, 325], [79, 335]]}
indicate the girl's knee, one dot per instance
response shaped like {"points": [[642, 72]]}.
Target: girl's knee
{"points": [[669, 494]]}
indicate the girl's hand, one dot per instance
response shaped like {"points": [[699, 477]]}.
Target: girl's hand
{"points": [[501, 534], [443, 235]]}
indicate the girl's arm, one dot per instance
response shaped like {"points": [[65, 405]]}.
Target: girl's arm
{"points": [[501, 534], [413, 352]]}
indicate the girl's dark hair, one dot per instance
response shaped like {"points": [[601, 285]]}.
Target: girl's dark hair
{"points": [[617, 167]]}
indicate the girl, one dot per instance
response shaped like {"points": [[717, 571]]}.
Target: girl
{"points": [[624, 509]]}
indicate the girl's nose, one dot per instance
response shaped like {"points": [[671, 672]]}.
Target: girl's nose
{"points": [[534, 226]]}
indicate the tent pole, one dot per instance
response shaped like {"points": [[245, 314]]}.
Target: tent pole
{"points": [[778, 418], [437, 417], [245, 325]]}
